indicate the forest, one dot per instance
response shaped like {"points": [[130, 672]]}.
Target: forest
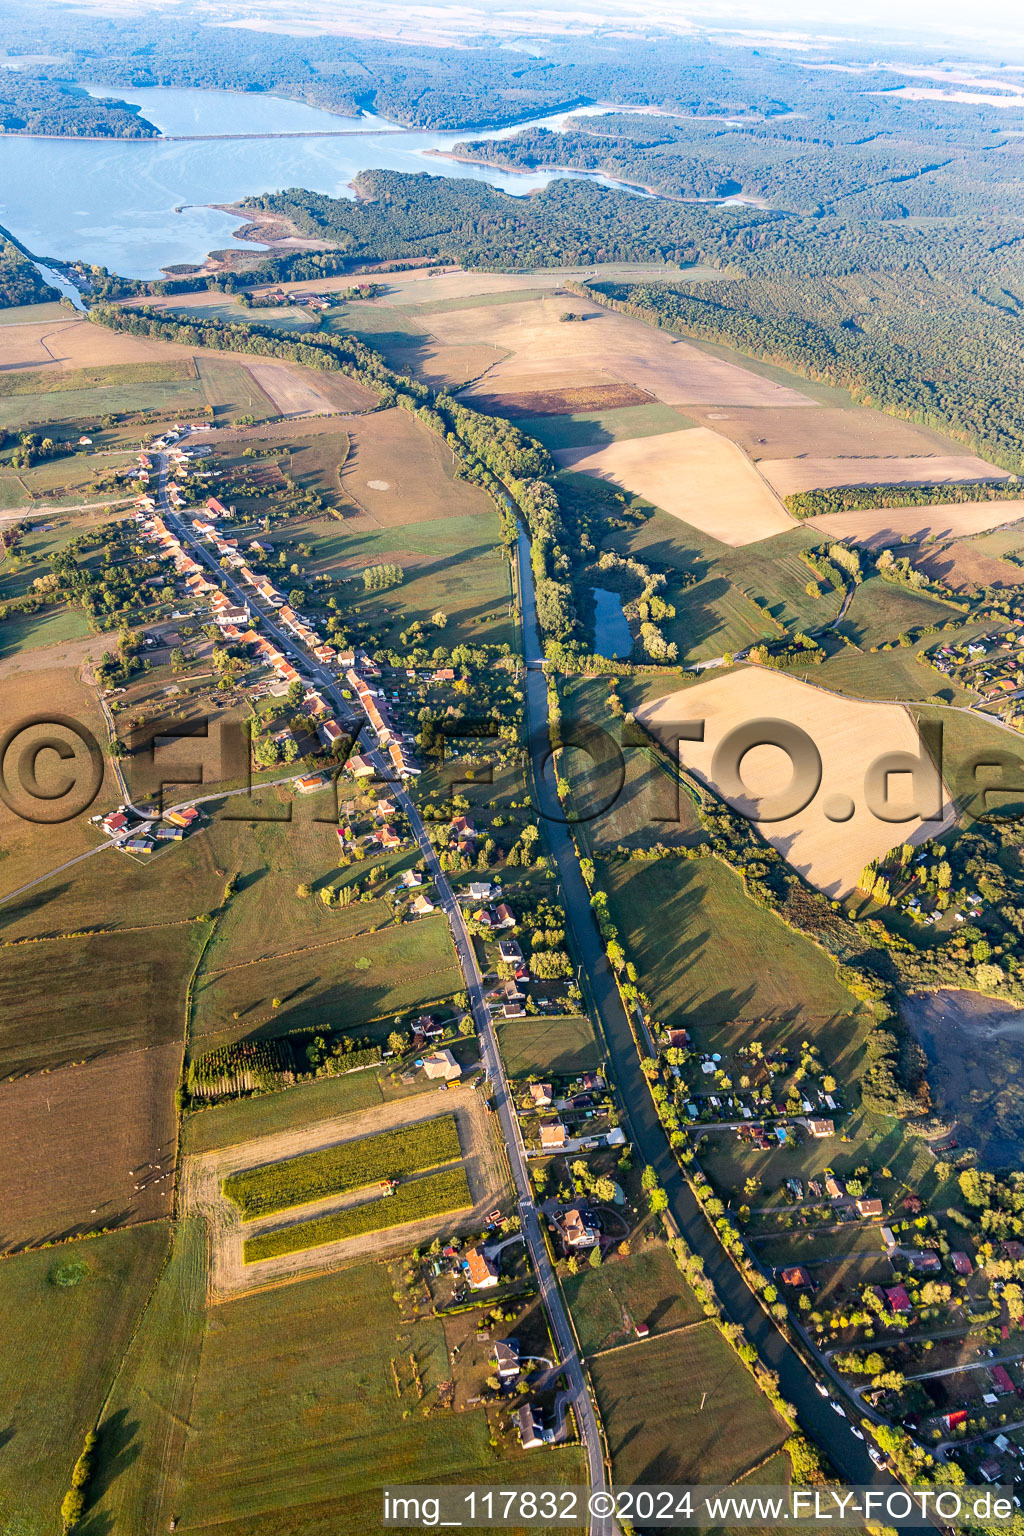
{"points": [[30, 105], [20, 280]]}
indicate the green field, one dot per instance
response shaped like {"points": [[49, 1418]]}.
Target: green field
{"points": [[225, 1125], [341, 986], [598, 428], [24, 314], [62, 1349], [889, 675], [535, 1044], [47, 381], [968, 740], [645, 1287], [296, 1422], [707, 955], [50, 626], [682, 1409], [70, 999], [881, 610], [100, 400], [350, 1165], [430, 1196], [145, 1419]]}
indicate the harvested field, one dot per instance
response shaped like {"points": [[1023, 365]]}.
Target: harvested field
{"points": [[78, 1142], [345, 1166], [650, 1396], [961, 566], [835, 431], [594, 429], [53, 1008], [295, 391], [398, 472], [876, 527], [436, 1194], [204, 1176], [76, 343], [435, 363], [694, 475], [605, 349], [831, 840], [562, 402], [812, 473], [75, 1309]]}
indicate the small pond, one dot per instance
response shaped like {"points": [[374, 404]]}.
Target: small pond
{"points": [[611, 631]]}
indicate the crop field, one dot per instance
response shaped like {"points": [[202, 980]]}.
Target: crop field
{"points": [[694, 475], [538, 405], [650, 1396], [348, 1165], [809, 472], [645, 1287], [79, 1140], [22, 314], [565, 1043], [707, 955], [398, 473], [434, 1195], [876, 527], [328, 1418], [881, 610], [606, 348], [52, 1011], [76, 1308], [303, 1104], [594, 429], [836, 833], [342, 985], [295, 391]]}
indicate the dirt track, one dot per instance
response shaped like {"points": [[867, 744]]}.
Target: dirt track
{"points": [[202, 1177]]}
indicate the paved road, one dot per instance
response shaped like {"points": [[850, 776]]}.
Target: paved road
{"points": [[548, 1285], [796, 1381]]}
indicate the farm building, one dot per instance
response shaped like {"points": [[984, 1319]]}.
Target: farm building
{"points": [[185, 818]]}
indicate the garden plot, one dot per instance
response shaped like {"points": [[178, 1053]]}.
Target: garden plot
{"points": [[204, 1178], [694, 475], [832, 839]]}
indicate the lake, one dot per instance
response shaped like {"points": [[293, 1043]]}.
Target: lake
{"points": [[611, 631], [113, 202]]}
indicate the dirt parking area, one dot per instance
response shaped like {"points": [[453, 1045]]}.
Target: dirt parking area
{"points": [[88, 1146], [202, 1178]]}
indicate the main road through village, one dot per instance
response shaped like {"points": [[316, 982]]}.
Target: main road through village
{"points": [[576, 1393]]}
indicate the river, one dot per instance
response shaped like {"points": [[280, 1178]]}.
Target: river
{"points": [[116, 202]]}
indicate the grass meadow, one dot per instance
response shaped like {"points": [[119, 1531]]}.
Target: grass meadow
{"points": [[707, 955], [225, 1125], [60, 1357], [644, 1287], [535, 1044], [682, 1409]]}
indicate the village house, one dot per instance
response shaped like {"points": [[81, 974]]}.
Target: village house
{"points": [[898, 1300], [577, 1231], [820, 1128], [797, 1277], [869, 1207], [422, 906], [552, 1135], [360, 766], [961, 1263], [481, 1272], [531, 1427], [506, 1359], [541, 1095], [411, 878], [442, 1064], [509, 951]]}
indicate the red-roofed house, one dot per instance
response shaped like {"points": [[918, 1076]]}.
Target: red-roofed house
{"points": [[962, 1264], [898, 1300]]}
